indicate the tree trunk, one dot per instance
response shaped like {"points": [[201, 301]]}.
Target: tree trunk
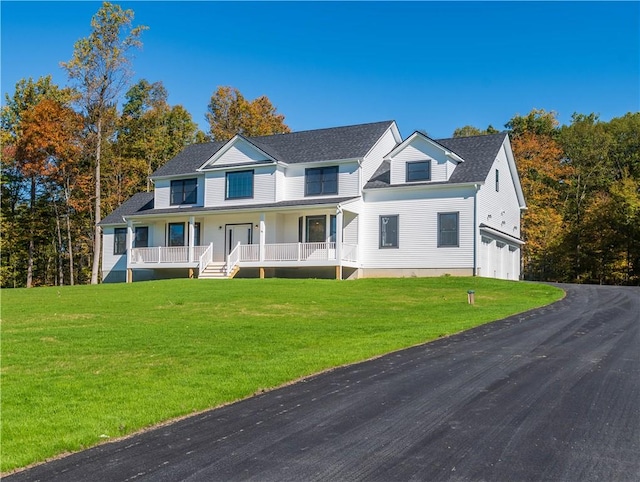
{"points": [[31, 233], [70, 248], [97, 239], [60, 247]]}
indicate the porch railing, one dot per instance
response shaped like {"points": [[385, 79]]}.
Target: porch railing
{"points": [[233, 258], [288, 252], [167, 254], [205, 258]]}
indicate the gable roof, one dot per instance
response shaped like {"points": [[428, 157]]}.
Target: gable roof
{"points": [[334, 143], [478, 152]]}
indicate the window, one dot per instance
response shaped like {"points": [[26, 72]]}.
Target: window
{"points": [[316, 229], [321, 180], [196, 234], [389, 231], [175, 234], [141, 238], [184, 191], [332, 228], [418, 171], [239, 185], [497, 180], [120, 241], [448, 229]]}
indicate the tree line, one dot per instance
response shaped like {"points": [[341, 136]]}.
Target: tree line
{"points": [[70, 155]]}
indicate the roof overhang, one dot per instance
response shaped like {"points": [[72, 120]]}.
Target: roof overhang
{"points": [[423, 186], [273, 207], [499, 234]]}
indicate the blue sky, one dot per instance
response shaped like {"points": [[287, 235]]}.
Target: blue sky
{"points": [[433, 66]]}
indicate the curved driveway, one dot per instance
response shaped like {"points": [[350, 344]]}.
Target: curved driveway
{"points": [[550, 395]]}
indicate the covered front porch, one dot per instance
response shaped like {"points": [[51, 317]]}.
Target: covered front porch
{"points": [[224, 243]]}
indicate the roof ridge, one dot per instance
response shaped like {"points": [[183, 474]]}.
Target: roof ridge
{"points": [[322, 129], [501, 133]]}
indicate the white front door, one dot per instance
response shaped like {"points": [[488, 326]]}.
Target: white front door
{"points": [[242, 233]]}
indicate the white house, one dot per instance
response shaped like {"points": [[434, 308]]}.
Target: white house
{"points": [[344, 202]]}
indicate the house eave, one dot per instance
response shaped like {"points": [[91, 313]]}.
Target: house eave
{"points": [[271, 207], [424, 185], [501, 234]]}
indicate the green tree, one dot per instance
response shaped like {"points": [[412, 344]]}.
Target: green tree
{"points": [[543, 174], [150, 133], [100, 69], [23, 172], [586, 145], [229, 113], [468, 131]]}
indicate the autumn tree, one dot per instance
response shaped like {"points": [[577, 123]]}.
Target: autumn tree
{"points": [[150, 132], [100, 69], [229, 113], [586, 145], [50, 139], [23, 172], [543, 175]]}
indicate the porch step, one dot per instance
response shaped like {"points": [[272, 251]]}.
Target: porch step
{"points": [[217, 271]]}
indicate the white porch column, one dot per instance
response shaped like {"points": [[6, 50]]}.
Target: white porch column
{"points": [[129, 275], [262, 236], [191, 236], [339, 242]]}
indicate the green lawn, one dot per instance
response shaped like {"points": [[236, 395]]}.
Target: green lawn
{"points": [[85, 364]]}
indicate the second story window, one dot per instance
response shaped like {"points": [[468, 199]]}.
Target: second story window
{"points": [[321, 180], [239, 185], [418, 171], [184, 191]]}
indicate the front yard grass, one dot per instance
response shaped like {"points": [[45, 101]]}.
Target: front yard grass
{"points": [[85, 364]]}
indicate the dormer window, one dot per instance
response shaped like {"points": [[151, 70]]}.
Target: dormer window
{"points": [[418, 171], [184, 191]]}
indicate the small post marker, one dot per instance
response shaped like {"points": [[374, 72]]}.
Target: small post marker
{"points": [[471, 297]]}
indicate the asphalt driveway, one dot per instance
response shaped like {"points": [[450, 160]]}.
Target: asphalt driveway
{"points": [[551, 395]]}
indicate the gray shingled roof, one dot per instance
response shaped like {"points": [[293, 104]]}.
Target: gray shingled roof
{"points": [[138, 204], [349, 142], [142, 204], [479, 152]]}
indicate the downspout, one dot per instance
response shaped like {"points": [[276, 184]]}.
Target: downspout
{"points": [[475, 229]]}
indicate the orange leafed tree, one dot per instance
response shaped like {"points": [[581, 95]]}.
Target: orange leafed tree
{"points": [[230, 114], [48, 147], [544, 178]]}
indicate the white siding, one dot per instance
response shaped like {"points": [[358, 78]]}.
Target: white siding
{"points": [[348, 181], [350, 233], [264, 182], [240, 152], [417, 228], [420, 150], [374, 158], [162, 193], [110, 261], [499, 209], [279, 185]]}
